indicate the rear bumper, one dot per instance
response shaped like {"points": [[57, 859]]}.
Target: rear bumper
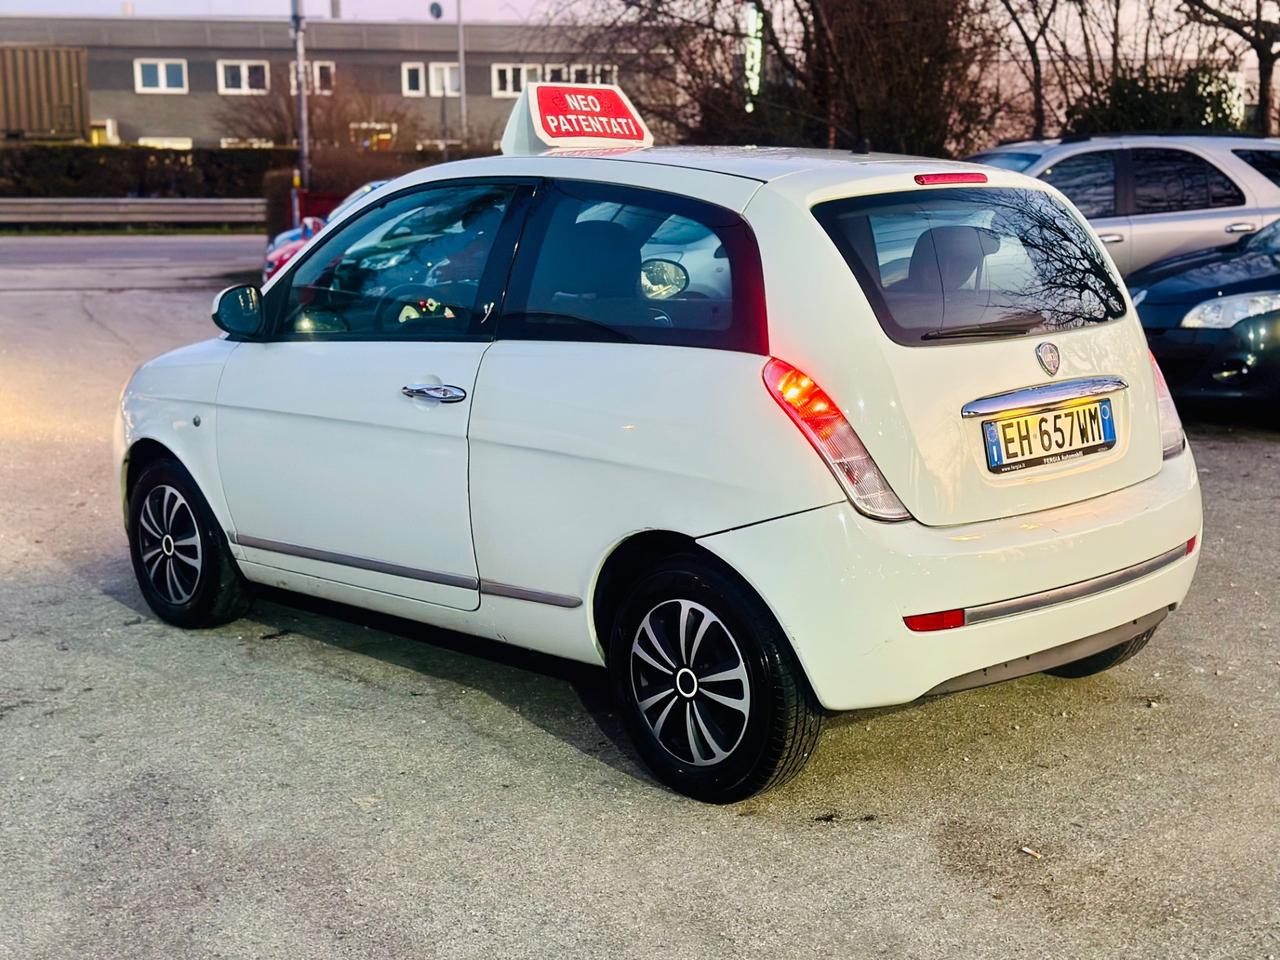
{"points": [[841, 585]]}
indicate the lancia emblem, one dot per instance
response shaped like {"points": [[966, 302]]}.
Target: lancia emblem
{"points": [[1047, 354]]}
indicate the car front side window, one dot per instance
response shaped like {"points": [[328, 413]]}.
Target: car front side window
{"points": [[416, 267]]}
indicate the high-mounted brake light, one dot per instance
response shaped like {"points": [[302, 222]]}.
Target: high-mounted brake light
{"points": [[822, 423], [926, 179], [1172, 439]]}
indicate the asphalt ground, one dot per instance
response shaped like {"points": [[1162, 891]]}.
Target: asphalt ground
{"points": [[316, 782]]}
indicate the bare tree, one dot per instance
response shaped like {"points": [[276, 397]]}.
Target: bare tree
{"points": [[1257, 23], [1033, 20], [904, 77]]}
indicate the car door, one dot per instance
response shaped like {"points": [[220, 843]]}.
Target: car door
{"points": [[1182, 203], [1091, 180], [342, 437]]}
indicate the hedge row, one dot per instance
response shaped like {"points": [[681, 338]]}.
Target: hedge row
{"points": [[55, 170]]}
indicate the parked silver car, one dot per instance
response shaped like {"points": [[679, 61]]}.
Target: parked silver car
{"points": [[1151, 197]]}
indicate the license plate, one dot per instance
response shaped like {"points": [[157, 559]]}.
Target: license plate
{"points": [[1051, 436]]}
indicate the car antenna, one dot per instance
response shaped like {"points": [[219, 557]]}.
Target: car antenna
{"points": [[861, 145]]}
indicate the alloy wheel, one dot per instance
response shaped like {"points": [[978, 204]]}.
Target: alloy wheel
{"points": [[169, 544], [690, 682]]}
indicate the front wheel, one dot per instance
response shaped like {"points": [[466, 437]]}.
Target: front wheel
{"points": [[708, 685], [180, 555]]}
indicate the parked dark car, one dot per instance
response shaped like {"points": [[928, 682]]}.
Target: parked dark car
{"points": [[1213, 318]]}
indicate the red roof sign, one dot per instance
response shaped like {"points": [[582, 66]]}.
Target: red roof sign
{"points": [[573, 115]]}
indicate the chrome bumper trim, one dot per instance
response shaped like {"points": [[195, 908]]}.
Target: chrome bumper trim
{"points": [[1042, 397], [1072, 591]]}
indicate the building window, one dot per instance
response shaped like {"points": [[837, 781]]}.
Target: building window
{"points": [[445, 81], [319, 77], [555, 73], [508, 79], [160, 76], [245, 143], [411, 82], [243, 77], [593, 73], [165, 143], [372, 135], [104, 133]]}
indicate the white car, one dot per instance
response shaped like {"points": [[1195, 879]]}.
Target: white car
{"points": [[1152, 196], [916, 444]]}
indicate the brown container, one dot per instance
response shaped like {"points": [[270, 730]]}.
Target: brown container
{"points": [[44, 93]]}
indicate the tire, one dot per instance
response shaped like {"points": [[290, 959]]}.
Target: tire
{"points": [[1103, 659], [737, 716], [180, 555]]}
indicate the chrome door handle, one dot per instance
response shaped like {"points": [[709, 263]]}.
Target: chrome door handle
{"points": [[434, 391], [1241, 227], [1111, 237]]}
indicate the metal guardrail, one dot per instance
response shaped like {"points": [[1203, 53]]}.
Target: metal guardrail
{"points": [[130, 210]]}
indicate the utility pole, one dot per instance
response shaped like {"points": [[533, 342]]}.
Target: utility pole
{"points": [[300, 77], [462, 76]]}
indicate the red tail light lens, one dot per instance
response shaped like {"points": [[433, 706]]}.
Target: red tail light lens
{"points": [[822, 423], [943, 620], [925, 179], [1172, 439], [1191, 546]]}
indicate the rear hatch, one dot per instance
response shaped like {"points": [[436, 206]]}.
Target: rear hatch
{"points": [[1014, 377]]}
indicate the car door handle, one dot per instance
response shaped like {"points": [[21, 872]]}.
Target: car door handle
{"points": [[1241, 227], [434, 391], [1111, 237]]}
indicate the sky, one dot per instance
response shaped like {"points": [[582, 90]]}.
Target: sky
{"points": [[510, 10]]}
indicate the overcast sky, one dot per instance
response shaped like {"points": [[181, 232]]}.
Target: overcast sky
{"points": [[517, 10]]}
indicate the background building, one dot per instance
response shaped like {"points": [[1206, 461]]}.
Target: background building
{"points": [[219, 82]]}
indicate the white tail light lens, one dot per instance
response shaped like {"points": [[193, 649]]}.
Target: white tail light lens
{"points": [[1172, 439], [822, 423]]}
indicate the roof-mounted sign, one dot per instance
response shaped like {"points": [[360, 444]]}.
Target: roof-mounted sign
{"points": [[576, 116]]}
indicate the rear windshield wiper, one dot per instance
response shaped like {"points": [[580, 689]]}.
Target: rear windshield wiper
{"points": [[999, 329]]}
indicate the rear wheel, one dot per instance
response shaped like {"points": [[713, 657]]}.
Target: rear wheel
{"points": [[708, 686], [1103, 659], [180, 555]]}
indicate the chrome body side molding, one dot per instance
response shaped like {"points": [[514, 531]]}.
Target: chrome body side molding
{"points": [[490, 587], [1043, 396]]}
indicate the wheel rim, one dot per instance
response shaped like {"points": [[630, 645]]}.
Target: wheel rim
{"points": [[169, 544], [690, 682]]}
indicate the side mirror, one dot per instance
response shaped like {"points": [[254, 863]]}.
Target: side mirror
{"points": [[661, 279], [238, 310]]}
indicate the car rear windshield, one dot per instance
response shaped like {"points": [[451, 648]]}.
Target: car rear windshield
{"points": [[1005, 159], [957, 263], [1266, 162]]}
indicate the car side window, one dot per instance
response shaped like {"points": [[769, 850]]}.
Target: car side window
{"points": [[1088, 180], [1167, 180], [412, 268], [617, 264], [1266, 162]]}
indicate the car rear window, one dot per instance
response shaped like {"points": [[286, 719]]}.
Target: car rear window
{"points": [[1005, 160], [947, 264], [1266, 162]]}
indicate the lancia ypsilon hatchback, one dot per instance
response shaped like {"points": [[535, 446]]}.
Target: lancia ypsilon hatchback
{"points": [[768, 433]]}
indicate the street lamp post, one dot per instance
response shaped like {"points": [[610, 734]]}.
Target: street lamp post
{"points": [[300, 77], [462, 77]]}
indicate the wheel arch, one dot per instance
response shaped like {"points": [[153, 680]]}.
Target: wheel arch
{"points": [[636, 553], [143, 451]]}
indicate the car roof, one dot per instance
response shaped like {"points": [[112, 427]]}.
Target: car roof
{"points": [[763, 164], [1204, 140]]}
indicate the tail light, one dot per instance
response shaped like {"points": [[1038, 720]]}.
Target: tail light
{"points": [[1172, 439], [824, 426]]}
